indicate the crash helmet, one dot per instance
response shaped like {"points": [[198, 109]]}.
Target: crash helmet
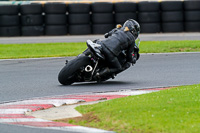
{"points": [[133, 27]]}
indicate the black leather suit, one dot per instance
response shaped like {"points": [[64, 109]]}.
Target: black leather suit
{"points": [[115, 42]]}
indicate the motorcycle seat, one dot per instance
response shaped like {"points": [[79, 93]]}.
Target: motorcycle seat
{"points": [[95, 49]]}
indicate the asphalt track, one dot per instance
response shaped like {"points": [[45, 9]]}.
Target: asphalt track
{"points": [[83, 38], [28, 78]]}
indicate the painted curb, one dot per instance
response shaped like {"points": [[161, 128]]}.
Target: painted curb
{"points": [[15, 112]]}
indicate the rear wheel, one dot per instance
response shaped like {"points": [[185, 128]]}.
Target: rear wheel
{"points": [[68, 74]]}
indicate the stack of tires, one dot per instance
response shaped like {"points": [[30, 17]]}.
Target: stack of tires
{"points": [[79, 19], [172, 16], [55, 18], [149, 17], [32, 19], [9, 20], [192, 16], [125, 11], [102, 17]]}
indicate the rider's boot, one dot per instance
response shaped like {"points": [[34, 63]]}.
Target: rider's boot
{"points": [[103, 72], [96, 48]]}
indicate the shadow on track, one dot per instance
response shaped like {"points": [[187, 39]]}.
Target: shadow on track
{"points": [[98, 84]]}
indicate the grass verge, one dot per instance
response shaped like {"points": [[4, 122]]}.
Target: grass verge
{"points": [[40, 50], [169, 46], [169, 111], [72, 49]]}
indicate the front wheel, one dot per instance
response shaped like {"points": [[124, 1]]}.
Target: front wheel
{"points": [[67, 75]]}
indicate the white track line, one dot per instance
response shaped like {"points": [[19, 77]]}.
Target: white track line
{"points": [[80, 129], [53, 102], [128, 92], [23, 120], [13, 111]]}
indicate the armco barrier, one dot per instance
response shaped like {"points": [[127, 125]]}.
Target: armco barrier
{"points": [[82, 18]]}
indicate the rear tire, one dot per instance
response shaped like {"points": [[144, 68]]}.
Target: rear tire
{"points": [[67, 75]]}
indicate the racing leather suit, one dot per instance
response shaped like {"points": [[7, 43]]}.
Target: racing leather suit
{"points": [[116, 41]]}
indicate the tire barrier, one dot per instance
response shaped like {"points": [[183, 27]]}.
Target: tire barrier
{"points": [[79, 19], [172, 16], [33, 8], [56, 29], [9, 20], [61, 18], [32, 30], [55, 19], [102, 17], [9, 9], [81, 29], [10, 31], [149, 15], [55, 8], [192, 16], [125, 11], [32, 19]]}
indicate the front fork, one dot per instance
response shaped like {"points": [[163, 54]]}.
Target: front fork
{"points": [[97, 62]]}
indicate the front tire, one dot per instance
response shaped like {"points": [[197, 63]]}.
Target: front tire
{"points": [[67, 75]]}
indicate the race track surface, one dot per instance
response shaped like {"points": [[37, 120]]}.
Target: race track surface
{"points": [[23, 79]]}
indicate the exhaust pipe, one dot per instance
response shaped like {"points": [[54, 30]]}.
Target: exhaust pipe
{"points": [[88, 73], [88, 68]]}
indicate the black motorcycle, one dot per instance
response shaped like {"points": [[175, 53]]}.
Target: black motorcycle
{"points": [[84, 68]]}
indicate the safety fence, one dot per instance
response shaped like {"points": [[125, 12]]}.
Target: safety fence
{"points": [[59, 18]]}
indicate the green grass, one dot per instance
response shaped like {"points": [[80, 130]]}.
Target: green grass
{"points": [[174, 110], [169, 46], [40, 50], [73, 49]]}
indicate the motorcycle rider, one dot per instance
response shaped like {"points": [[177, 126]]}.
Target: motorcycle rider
{"points": [[117, 40]]}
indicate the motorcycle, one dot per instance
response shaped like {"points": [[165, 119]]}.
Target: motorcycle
{"points": [[84, 68]]}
